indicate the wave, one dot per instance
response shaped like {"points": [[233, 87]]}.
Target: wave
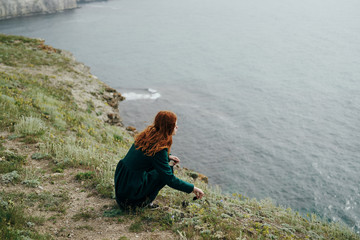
{"points": [[142, 94]]}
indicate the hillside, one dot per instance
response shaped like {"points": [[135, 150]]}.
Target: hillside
{"points": [[60, 140]]}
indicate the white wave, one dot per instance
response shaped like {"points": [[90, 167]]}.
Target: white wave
{"points": [[151, 90], [151, 94]]}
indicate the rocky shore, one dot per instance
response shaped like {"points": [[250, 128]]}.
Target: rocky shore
{"points": [[20, 8]]}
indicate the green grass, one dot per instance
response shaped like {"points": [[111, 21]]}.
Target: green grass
{"points": [[10, 161], [136, 227], [44, 201], [21, 51], [84, 215], [15, 224], [32, 177], [35, 109], [85, 175], [123, 238], [30, 126], [220, 216], [85, 227]]}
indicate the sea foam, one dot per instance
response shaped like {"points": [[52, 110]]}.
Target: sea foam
{"points": [[142, 94]]}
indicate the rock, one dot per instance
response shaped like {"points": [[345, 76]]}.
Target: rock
{"points": [[107, 97], [47, 48], [131, 128], [119, 96], [198, 176], [194, 175], [112, 115], [110, 89], [113, 103], [113, 99], [203, 178], [114, 118]]}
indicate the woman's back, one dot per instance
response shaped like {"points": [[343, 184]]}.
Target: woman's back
{"points": [[136, 160]]}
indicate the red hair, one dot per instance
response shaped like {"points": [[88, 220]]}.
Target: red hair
{"points": [[158, 135]]}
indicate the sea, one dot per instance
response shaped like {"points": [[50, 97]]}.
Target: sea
{"points": [[267, 93]]}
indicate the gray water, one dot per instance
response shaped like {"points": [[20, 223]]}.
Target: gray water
{"points": [[267, 92]]}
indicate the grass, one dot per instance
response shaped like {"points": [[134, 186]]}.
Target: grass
{"points": [[220, 216], [15, 224], [11, 177], [35, 109], [85, 175], [86, 227], [10, 161], [84, 215], [32, 177], [30, 126], [21, 51]]}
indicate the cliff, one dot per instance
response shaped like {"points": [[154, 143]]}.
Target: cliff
{"points": [[60, 140], [18, 8]]}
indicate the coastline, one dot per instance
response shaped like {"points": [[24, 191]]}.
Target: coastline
{"points": [[72, 161], [19, 8]]}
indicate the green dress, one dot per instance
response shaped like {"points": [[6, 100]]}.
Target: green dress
{"points": [[139, 178]]}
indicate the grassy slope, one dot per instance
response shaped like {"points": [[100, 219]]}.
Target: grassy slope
{"points": [[52, 136]]}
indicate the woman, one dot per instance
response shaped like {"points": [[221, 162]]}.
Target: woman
{"points": [[145, 170]]}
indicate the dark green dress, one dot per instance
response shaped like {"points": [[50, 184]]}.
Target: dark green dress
{"points": [[139, 178]]}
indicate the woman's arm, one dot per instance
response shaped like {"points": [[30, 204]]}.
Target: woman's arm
{"points": [[161, 165]]}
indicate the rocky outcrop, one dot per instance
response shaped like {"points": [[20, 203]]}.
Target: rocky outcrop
{"points": [[112, 97], [196, 175], [17, 8]]}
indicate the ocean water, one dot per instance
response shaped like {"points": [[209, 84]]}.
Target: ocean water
{"points": [[267, 92]]}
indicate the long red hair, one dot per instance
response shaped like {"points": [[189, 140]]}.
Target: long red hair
{"points": [[158, 135]]}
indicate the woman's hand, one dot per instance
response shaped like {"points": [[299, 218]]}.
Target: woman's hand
{"points": [[175, 159], [198, 192]]}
